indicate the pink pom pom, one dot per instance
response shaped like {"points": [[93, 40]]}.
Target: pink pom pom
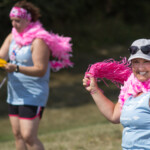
{"points": [[115, 71]]}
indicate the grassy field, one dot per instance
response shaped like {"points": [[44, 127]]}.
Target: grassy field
{"points": [[71, 120], [78, 128]]}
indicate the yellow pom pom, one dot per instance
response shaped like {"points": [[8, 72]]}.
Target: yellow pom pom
{"points": [[2, 62]]}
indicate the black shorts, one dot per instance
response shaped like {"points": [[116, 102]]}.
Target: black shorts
{"points": [[25, 111]]}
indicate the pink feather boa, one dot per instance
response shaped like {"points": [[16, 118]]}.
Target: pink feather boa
{"points": [[132, 87], [60, 46]]}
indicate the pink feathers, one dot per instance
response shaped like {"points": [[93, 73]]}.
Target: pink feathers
{"points": [[119, 72], [132, 87], [115, 71], [60, 46]]}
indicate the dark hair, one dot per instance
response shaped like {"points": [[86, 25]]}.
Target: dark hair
{"points": [[32, 9]]}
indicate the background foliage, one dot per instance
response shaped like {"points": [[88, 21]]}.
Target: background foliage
{"points": [[100, 29], [67, 16]]}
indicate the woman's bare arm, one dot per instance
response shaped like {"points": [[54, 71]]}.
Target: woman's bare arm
{"points": [[5, 47], [40, 56], [110, 110]]}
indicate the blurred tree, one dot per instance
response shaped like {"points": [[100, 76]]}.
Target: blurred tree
{"points": [[56, 14]]}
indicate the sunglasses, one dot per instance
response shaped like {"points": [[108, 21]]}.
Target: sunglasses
{"points": [[144, 49]]}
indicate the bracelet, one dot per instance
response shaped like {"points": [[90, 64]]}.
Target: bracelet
{"points": [[17, 69]]}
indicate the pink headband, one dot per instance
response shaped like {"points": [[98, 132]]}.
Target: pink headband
{"points": [[20, 13]]}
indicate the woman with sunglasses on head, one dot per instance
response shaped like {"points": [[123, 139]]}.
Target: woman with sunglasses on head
{"points": [[28, 48], [133, 107]]}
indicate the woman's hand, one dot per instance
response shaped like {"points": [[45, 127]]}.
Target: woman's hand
{"points": [[10, 67], [90, 84], [110, 110]]}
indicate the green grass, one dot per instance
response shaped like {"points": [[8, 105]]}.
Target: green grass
{"points": [[77, 128], [71, 121]]}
